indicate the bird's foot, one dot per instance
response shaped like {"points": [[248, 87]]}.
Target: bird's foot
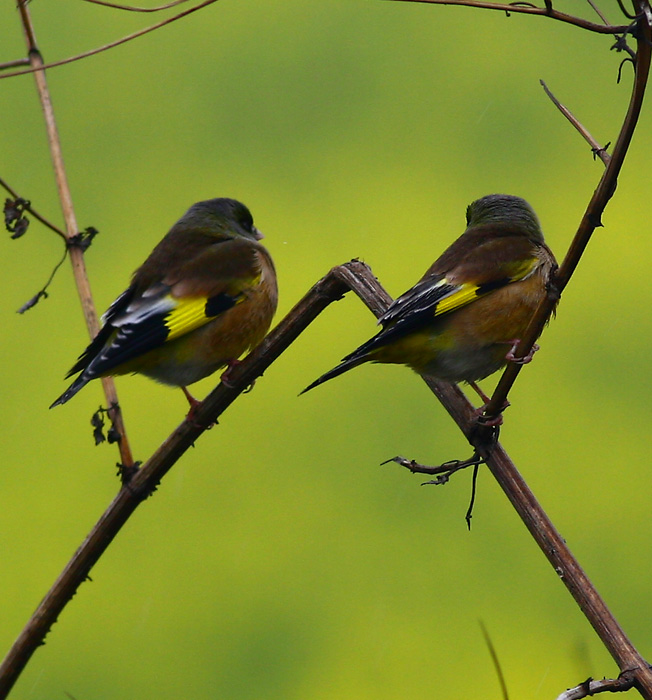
{"points": [[493, 421], [225, 378], [490, 421], [511, 357], [191, 416]]}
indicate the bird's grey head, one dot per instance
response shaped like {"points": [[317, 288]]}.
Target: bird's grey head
{"points": [[505, 209], [222, 215]]}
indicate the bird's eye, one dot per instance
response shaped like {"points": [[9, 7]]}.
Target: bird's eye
{"points": [[246, 220]]}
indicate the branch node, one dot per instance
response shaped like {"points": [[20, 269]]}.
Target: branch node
{"points": [[601, 152], [621, 42], [113, 434], [83, 239], [126, 473], [595, 220]]}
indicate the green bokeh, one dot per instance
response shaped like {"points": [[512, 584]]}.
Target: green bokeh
{"points": [[277, 559]]}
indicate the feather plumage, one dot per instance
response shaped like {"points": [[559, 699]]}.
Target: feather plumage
{"points": [[479, 295], [205, 294]]}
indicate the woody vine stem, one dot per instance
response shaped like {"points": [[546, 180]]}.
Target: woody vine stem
{"points": [[635, 672]]}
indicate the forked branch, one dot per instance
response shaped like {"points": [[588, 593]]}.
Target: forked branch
{"points": [[357, 277], [145, 480]]}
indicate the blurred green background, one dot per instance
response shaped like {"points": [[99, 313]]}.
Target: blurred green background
{"points": [[278, 559]]}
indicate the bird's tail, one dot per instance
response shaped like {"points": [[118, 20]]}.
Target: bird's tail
{"points": [[80, 382], [346, 364]]}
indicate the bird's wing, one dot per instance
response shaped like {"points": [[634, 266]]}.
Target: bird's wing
{"points": [[473, 266], [433, 297], [437, 295], [141, 320]]}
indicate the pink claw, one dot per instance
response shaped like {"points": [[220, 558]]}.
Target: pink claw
{"points": [[493, 422], [520, 360], [229, 368]]}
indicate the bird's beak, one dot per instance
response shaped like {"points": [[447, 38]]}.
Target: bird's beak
{"points": [[257, 234]]}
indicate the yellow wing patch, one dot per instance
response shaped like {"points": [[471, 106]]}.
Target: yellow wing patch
{"points": [[463, 296], [191, 313], [188, 315], [466, 293]]}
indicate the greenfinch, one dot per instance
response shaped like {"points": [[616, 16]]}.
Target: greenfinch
{"points": [[463, 319], [206, 294]]}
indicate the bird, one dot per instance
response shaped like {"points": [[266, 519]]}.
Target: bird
{"points": [[463, 320], [205, 295]]}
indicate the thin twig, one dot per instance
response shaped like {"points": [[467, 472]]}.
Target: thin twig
{"points": [[137, 9], [14, 64], [596, 148], [75, 252], [623, 9], [526, 8], [106, 47], [596, 9], [495, 660], [43, 291]]}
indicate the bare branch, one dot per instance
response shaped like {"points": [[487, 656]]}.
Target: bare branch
{"points": [[14, 64], [443, 471], [623, 9], [597, 11], [357, 276], [495, 660], [43, 292], [526, 8], [106, 47], [145, 480], [137, 9], [597, 149]]}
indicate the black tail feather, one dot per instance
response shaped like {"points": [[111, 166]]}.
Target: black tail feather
{"points": [[78, 384], [365, 353], [344, 366]]}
